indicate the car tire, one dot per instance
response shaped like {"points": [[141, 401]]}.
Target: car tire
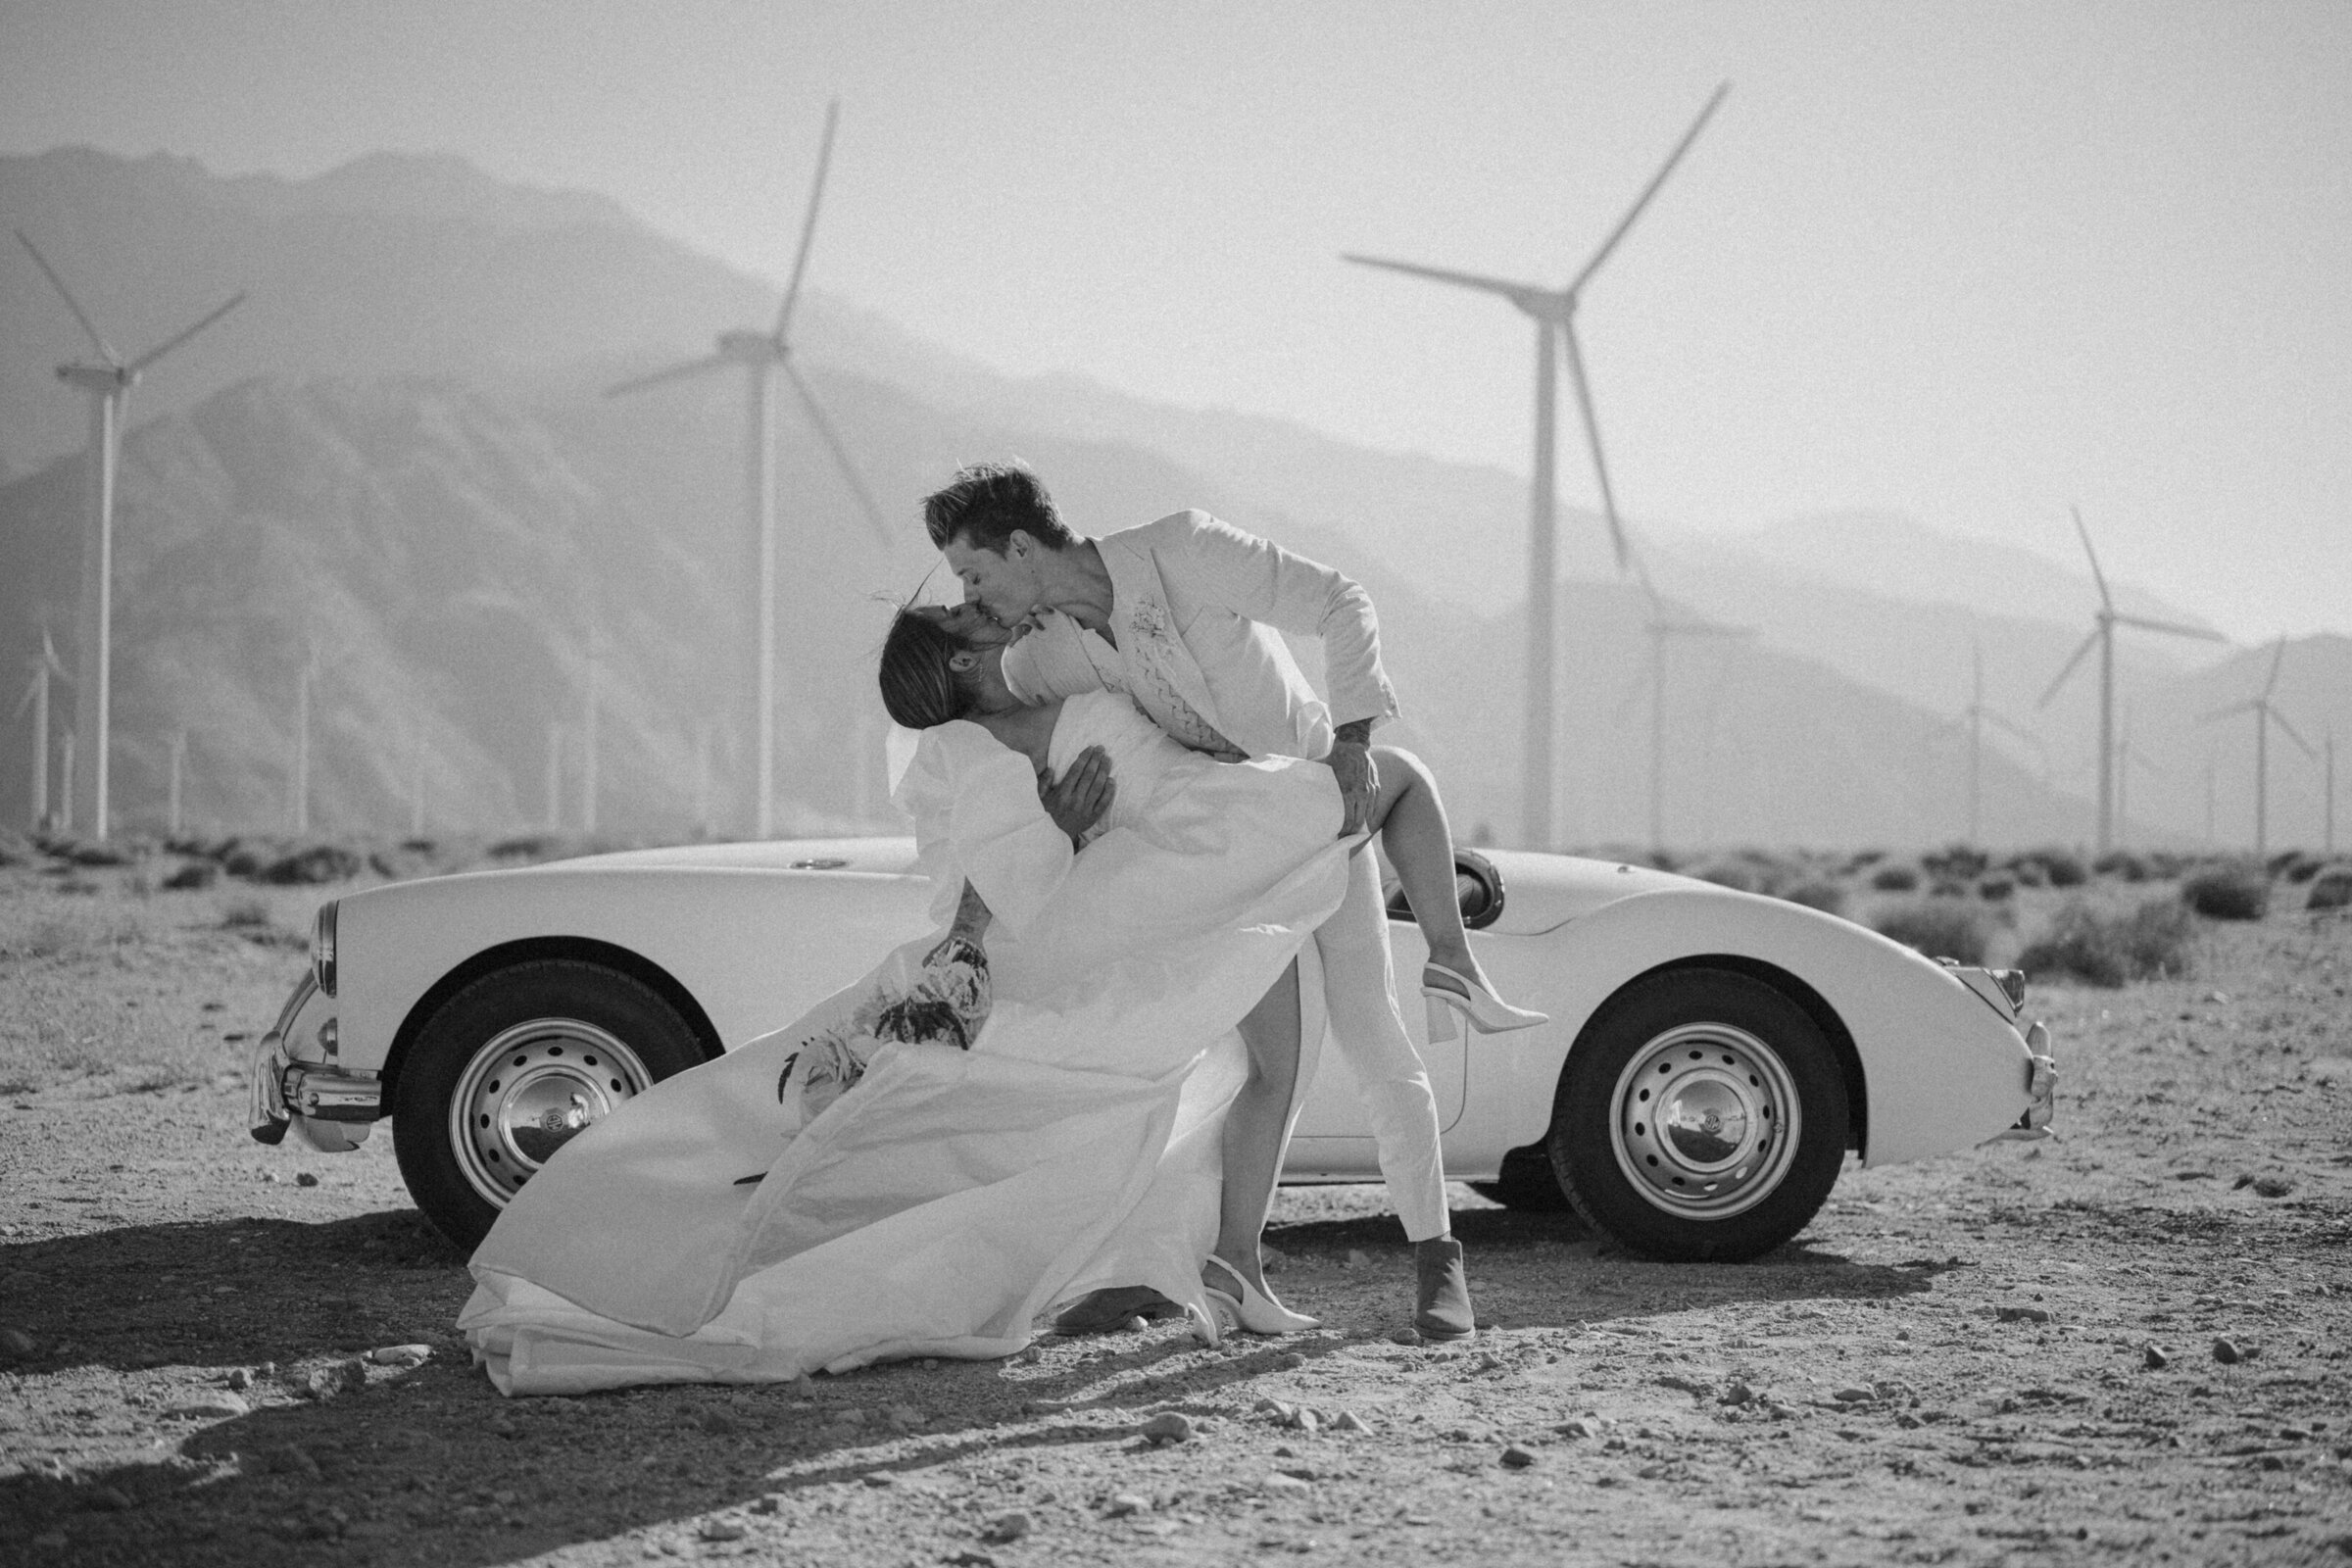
{"points": [[515, 1065], [1756, 1126], [1526, 1183]]}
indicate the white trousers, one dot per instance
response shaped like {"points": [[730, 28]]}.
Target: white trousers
{"points": [[1359, 988]]}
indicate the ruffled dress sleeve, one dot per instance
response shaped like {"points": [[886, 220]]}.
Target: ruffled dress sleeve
{"points": [[977, 819], [1050, 661]]}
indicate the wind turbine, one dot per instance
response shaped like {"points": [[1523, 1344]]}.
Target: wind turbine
{"points": [[1663, 625], [2125, 755], [1554, 312], [763, 355], [2105, 620], [45, 668], [2266, 714], [1978, 716], [107, 386]]}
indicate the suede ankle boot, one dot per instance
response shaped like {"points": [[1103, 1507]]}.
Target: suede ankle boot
{"points": [[1442, 1305]]}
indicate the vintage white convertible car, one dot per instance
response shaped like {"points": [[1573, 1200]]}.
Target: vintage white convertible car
{"points": [[1711, 1055]]}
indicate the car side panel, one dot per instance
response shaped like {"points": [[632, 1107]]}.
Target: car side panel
{"points": [[755, 947], [1940, 1069]]}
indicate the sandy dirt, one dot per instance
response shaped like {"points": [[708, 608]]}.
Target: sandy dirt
{"points": [[2009, 1354]]}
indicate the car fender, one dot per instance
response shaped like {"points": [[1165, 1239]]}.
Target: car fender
{"points": [[1940, 1069], [754, 948]]}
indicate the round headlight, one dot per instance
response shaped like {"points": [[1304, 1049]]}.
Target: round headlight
{"points": [[323, 948]]}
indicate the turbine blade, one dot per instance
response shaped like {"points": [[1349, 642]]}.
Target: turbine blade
{"points": [[2277, 658], [167, 346], [2013, 729], [1516, 293], [2174, 627], [816, 194], [105, 350], [1600, 467], [2059, 681], [1649, 190], [841, 455], [2291, 735], [2096, 574], [676, 372]]}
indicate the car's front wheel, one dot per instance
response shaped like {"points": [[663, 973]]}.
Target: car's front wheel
{"points": [[1702, 1118], [513, 1067]]}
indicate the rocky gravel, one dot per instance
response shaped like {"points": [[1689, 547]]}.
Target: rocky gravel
{"points": [[2129, 1343]]}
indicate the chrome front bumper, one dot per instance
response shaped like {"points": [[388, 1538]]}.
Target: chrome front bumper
{"points": [[2041, 1087], [332, 1109]]}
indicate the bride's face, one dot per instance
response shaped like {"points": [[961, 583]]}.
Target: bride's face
{"points": [[969, 623]]}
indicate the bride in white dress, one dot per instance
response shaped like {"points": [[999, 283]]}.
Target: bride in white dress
{"points": [[952, 1195]]}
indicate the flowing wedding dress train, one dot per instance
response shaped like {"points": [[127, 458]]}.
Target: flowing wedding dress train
{"points": [[951, 1195]]}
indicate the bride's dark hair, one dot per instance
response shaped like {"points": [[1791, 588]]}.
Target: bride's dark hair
{"points": [[917, 687]]}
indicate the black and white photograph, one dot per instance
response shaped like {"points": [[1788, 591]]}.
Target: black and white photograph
{"points": [[1006, 782]]}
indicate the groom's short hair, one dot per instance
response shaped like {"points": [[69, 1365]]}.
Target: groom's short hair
{"points": [[986, 502]]}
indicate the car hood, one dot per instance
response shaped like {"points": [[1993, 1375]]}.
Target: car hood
{"points": [[1541, 892]]}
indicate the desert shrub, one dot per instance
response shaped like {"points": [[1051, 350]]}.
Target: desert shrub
{"points": [[2332, 889], [1957, 863], [2027, 873], [1894, 879], [2228, 893], [2122, 865], [2149, 943], [2281, 864], [192, 874], [1940, 929], [2165, 866], [1993, 889], [311, 864], [2301, 868], [1863, 861], [245, 915], [1739, 876], [1816, 892], [2060, 868], [1945, 887]]}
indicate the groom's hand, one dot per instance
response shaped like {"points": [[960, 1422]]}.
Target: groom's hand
{"points": [[1078, 799], [1360, 781]]}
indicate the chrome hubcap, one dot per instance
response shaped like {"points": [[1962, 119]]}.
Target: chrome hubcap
{"points": [[529, 1091], [1704, 1120]]}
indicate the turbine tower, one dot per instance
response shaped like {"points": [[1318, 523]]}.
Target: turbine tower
{"points": [[2266, 714], [1663, 625], [2105, 620], [1554, 312], [2127, 757], [45, 668], [763, 355], [107, 386]]}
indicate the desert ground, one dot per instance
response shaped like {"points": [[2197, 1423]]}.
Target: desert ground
{"points": [[2128, 1343]]}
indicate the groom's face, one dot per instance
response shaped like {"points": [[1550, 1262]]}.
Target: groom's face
{"points": [[1008, 586]]}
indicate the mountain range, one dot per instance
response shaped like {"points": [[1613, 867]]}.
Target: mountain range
{"points": [[394, 466]]}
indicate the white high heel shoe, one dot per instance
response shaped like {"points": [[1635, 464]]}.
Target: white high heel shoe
{"points": [[1253, 1308], [1458, 994]]}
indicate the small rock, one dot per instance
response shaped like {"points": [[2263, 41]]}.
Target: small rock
{"points": [[1903, 1335], [2230, 1353], [1136, 1325], [769, 1502], [879, 1479], [1307, 1420], [1008, 1527], [904, 1418], [303, 1178], [1357, 1258], [1405, 1337], [970, 1557], [1170, 1426], [1515, 1458], [1033, 1355], [2022, 1314], [1277, 1408], [1348, 1421], [1738, 1393], [326, 1382], [239, 1378], [1855, 1396], [1278, 1482], [18, 1346], [1290, 1361], [401, 1354], [2155, 1358], [107, 1500], [211, 1407], [290, 1460], [721, 1530], [2273, 1186], [1126, 1503], [1584, 1426]]}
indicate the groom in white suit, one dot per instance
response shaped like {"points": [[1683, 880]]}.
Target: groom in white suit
{"points": [[1183, 615]]}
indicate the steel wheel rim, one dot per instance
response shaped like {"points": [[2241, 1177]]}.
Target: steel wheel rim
{"points": [[1704, 1121], [529, 1090]]}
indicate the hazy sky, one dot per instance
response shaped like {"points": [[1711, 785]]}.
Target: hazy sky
{"points": [[1970, 261]]}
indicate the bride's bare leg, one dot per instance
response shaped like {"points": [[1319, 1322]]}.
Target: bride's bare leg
{"points": [[1411, 818], [1254, 1127]]}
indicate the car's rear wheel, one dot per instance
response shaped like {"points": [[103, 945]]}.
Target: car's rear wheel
{"points": [[513, 1067], [1702, 1118]]}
